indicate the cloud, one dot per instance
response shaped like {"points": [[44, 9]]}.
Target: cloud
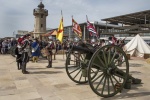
{"points": [[18, 14]]}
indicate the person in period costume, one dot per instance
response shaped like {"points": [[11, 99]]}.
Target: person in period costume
{"points": [[35, 50], [49, 47], [25, 55], [18, 53]]}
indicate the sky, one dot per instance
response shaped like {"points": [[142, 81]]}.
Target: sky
{"points": [[18, 14]]}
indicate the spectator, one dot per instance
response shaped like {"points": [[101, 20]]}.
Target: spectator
{"points": [[0, 45], [4, 47]]}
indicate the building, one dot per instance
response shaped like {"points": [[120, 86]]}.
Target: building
{"points": [[130, 25], [40, 20], [21, 33]]}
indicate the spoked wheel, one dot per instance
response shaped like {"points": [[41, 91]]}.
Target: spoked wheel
{"points": [[113, 66], [75, 63]]}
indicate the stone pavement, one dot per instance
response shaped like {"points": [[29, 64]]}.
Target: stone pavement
{"points": [[53, 83]]}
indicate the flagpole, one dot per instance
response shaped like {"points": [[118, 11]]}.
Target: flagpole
{"points": [[70, 29], [61, 13], [72, 26], [94, 27], [84, 33], [62, 37], [87, 18], [87, 31]]}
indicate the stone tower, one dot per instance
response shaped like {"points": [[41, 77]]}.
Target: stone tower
{"points": [[40, 20]]}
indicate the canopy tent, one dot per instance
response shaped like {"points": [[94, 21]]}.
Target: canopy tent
{"points": [[137, 47], [54, 32]]}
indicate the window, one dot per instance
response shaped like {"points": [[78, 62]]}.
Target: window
{"points": [[41, 25], [41, 16]]}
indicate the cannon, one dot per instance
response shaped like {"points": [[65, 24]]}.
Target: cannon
{"points": [[106, 68]]}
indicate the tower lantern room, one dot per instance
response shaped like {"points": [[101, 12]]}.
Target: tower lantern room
{"points": [[40, 20]]}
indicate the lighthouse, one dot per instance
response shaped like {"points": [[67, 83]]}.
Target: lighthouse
{"points": [[40, 20]]}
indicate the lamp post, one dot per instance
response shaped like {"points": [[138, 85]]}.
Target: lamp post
{"points": [[14, 34]]}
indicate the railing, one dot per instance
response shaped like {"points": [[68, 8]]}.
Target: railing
{"points": [[142, 28]]}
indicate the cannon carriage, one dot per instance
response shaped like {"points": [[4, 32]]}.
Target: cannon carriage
{"points": [[106, 69]]}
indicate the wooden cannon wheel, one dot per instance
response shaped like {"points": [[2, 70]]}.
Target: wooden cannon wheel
{"points": [[74, 66], [112, 73], [77, 66]]}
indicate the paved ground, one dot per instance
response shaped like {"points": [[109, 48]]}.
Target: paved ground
{"points": [[54, 84]]}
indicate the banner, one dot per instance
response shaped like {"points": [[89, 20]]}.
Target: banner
{"points": [[60, 31], [76, 28]]}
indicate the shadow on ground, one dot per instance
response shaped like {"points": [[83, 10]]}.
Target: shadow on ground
{"points": [[59, 67], [36, 68], [46, 72], [125, 93], [135, 65], [135, 72]]}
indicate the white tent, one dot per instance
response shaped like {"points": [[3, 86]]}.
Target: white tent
{"points": [[137, 47]]}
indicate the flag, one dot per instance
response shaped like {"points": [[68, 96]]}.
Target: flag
{"points": [[91, 29], [76, 28], [59, 34]]}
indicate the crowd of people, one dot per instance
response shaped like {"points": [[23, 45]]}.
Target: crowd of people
{"points": [[6, 44], [27, 47]]}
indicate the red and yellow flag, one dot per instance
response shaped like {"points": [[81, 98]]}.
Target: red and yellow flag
{"points": [[76, 28], [60, 31]]}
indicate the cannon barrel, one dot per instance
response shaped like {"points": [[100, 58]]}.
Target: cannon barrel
{"points": [[82, 49]]}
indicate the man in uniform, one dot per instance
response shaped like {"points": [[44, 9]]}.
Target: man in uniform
{"points": [[26, 51], [50, 46]]}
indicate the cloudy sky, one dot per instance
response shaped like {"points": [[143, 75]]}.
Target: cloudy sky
{"points": [[18, 14]]}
